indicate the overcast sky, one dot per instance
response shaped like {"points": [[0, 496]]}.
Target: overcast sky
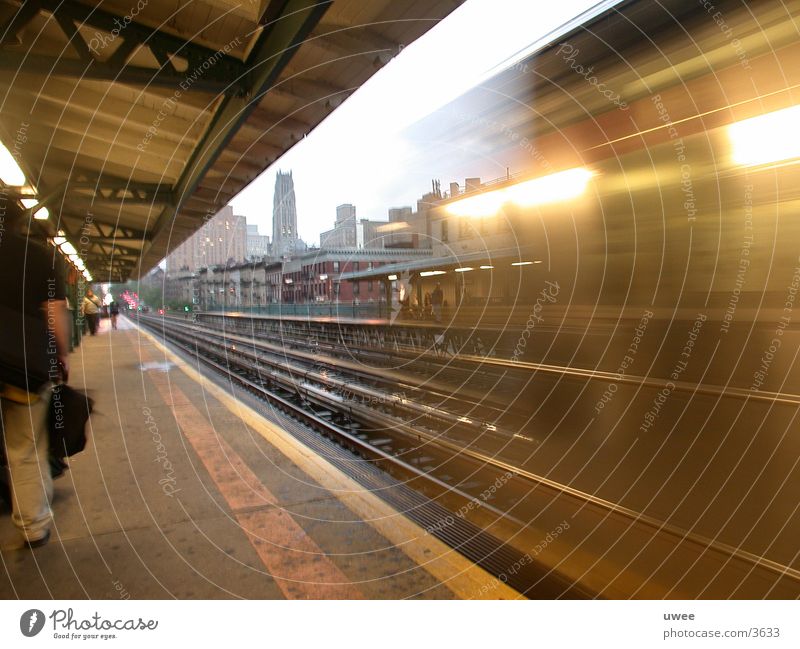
{"points": [[358, 154]]}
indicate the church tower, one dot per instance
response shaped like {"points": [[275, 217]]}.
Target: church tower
{"points": [[284, 217]]}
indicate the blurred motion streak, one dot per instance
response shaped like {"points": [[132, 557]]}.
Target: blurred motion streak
{"points": [[559, 186]]}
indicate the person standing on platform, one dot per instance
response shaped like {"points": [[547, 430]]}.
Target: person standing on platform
{"points": [[113, 310], [33, 354], [91, 310], [436, 302]]}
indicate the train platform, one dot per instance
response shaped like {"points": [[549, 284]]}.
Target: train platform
{"points": [[186, 492]]}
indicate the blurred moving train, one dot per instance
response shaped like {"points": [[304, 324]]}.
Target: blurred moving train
{"points": [[645, 223], [652, 164], [654, 154]]}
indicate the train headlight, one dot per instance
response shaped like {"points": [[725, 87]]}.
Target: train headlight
{"points": [[767, 138]]}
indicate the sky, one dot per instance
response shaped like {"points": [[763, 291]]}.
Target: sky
{"points": [[359, 154]]}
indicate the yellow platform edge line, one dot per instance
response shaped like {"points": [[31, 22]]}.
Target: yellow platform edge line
{"points": [[464, 578]]}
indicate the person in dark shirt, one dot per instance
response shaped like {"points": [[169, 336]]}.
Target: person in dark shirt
{"points": [[34, 352], [113, 310], [436, 302]]}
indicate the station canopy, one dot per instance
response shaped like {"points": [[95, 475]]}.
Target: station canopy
{"points": [[135, 121]]}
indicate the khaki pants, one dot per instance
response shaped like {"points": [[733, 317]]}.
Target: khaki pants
{"points": [[26, 439]]}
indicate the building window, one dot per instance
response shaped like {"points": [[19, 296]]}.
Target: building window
{"points": [[356, 286], [336, 267], [369, 286], [445, 232]]}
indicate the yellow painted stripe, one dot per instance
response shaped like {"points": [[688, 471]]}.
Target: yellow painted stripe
{"points": [[464, 578], [300, 568]]}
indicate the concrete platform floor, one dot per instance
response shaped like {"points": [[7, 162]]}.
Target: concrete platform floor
{"points": [[184, 492]]}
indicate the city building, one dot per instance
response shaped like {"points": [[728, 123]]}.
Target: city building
{"points": [[180, 289], [284, 218], [411, 229], [369, 234], [350, 232], [344, 233], [183, 258], [476, 262], [307, 279], [221, 241], [257, 244]]}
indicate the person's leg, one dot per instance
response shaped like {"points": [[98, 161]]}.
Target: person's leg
{"points": [[92, 319], [26, 438]]}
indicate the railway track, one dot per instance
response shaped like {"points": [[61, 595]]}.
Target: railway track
{"points": [[414, 442], [467, 352]]}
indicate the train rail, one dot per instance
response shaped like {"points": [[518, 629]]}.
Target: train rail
{"points": [[451, 347], [437, 453]]}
